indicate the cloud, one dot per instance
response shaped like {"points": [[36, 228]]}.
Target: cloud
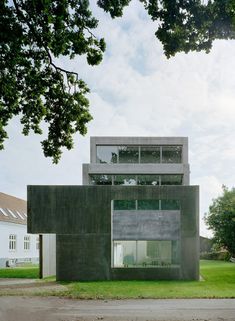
{"points": [[137, 91]]}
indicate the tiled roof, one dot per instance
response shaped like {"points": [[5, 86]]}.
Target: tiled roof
{"points": [[13, 209]]}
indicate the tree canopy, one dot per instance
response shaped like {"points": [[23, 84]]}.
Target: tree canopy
{"points": [[221, 219], [34, 33]]}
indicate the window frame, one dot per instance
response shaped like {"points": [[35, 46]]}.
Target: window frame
{"points": [[12, 245], [27, 243]]}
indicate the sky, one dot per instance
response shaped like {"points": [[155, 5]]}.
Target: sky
{"points": [[137, 91]]}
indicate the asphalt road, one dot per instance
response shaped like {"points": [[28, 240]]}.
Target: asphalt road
{"points": [[15, 308]]}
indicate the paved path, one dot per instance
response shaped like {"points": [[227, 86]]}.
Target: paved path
{"points": [[26, 286], [58, 309]]}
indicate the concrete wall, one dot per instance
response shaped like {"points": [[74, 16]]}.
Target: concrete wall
{"points": [[146, 225], [81, 218]]}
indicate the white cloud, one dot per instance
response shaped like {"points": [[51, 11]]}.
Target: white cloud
{"points": [[137, 91]]}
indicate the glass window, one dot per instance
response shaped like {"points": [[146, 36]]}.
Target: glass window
{"points": [[148, 204], [12, 242], [26, 242], [171, 179], [107, 154], [101, 179], [149, 254], [124, 205], [170, 205], [124, 253], [37, 243], [149, 154], [128, 154], [159, 253], [124, 180], [171, 154], [148, 179]]}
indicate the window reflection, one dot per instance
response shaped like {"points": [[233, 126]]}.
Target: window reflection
{"points": [[148, 204], [150, 154], [148, 180], [146, 254], [170, 205], [120, 205], [171, 154], [128, 154], [101, 179], [171, 179], [107, 154], [124, 180], [106, 179]]}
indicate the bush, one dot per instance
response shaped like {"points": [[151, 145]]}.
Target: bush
{"points": [[219, 255]]}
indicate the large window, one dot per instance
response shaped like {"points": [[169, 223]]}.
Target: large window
{"points": [[138, 154], [171, 179], [150, 154], [102, 179], [128, 154], [149, 180], [12, 242], [107, 154], [145, 233], [124, 179], [27, 242], [146, 253], [171, 154]]}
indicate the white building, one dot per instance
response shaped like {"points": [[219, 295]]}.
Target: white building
{"points": [[16, 245]]}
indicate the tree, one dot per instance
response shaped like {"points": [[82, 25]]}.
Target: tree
{"points": [[221, 219], [33, 33]]}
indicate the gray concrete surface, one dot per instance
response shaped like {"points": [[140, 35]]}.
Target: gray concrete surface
{"points": [[81, 218], [56, 309]]}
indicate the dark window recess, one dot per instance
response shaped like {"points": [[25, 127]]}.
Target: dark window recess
{"points": [[120, 205], [148, 204], [170, 204]]}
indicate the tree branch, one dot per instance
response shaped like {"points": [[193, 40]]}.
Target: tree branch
{"points": [[20, 14]]}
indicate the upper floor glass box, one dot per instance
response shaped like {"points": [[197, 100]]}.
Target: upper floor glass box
{"points": [[138, 154]]}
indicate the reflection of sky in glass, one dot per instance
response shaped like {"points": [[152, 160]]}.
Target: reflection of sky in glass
{"points": [[141, 179], [124, 180], [148, 180], [107, 154]]}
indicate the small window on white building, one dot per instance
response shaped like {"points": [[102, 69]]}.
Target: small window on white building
{"points": [[26, 242], [37, 243], [12, 242]]}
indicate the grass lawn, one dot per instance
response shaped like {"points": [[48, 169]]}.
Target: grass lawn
{"points": [[219, 282], [27, 272]]}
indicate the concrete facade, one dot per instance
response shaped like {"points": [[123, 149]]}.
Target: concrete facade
{"points": [[95, 168], [81, 218], [118, 230]]}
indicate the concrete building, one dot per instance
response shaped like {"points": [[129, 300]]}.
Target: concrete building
{"points": [[135, 217], [16, 245]]}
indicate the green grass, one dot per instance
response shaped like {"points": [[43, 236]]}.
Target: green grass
{"points": [[28, 272], [218, 282]]}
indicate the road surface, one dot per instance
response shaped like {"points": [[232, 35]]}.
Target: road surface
{"points": [[15, 308]]}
